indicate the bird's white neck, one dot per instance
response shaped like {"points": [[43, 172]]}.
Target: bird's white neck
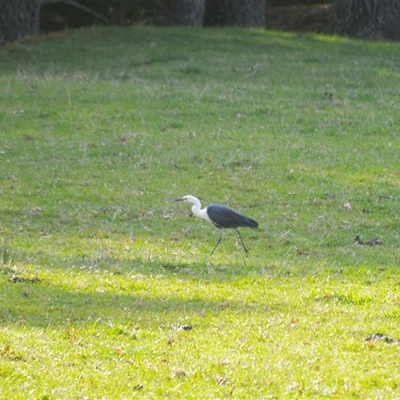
{"points": [[197, 211]]}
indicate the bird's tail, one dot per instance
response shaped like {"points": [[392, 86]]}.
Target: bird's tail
{"points": [[251, 223]]}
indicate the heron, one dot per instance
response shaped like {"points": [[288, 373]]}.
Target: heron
{"points": [[222, 217]]}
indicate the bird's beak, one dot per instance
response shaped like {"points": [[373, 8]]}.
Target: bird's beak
{"points": [[179, 199]]}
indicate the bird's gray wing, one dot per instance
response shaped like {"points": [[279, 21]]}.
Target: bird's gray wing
{"points": [[225, 217]]}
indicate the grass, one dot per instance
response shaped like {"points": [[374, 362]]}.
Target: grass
{"points": [[107, 287]]}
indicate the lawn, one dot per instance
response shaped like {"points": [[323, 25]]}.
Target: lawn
{"points": [[107, 286]]}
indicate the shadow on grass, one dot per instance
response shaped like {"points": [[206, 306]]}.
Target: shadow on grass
{"points": [[46, 289], [219, 267], [41, 302], [222, 41]]}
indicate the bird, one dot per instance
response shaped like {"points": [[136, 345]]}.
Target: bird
{"points": [[222, 217]]}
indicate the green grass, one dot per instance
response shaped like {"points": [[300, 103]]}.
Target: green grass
{"points": [[99, 269]]}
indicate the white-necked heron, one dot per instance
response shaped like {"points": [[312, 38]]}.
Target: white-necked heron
{"points": [[222, 217]]}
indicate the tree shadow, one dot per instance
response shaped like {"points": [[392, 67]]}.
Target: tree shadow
{"points": [[205, 267], [38, 301]]}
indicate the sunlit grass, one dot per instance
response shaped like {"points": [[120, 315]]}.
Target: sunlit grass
{"points": [[107, 286]]}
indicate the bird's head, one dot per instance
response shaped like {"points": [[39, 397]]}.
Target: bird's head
{"points": [[185, 198], [188, 199]]}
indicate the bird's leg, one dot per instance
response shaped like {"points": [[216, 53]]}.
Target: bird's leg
{"points": [[219, 240], [244, 247]]}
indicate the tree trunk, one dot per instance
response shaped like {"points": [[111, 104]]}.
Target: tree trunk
{"points": [[216, 12], [368, 19], [18, 19], [187, 12], [244, 13]]}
